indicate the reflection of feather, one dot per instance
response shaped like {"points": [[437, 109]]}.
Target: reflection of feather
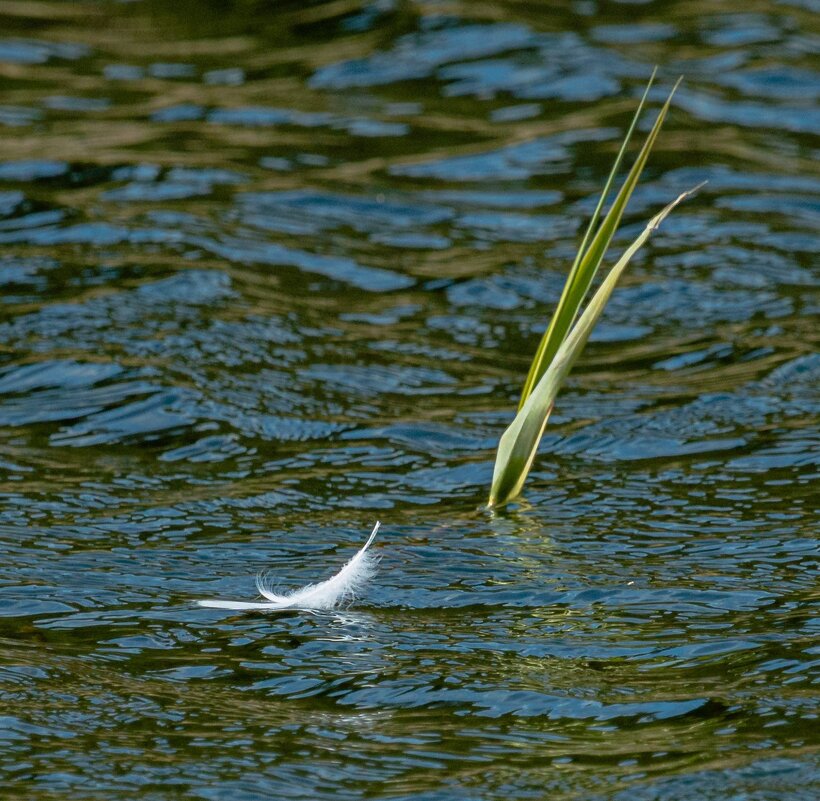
{"points": [[342, 587]]}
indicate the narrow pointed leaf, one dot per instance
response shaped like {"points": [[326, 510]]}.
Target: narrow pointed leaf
{"points": [[596, 215], [519, 443], [588, 260]]}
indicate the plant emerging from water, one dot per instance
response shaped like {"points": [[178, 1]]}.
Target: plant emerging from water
{"points": [[568, 332]]}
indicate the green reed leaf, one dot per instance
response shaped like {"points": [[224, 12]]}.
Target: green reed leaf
{"points": [[518, 444], [591, 253]]}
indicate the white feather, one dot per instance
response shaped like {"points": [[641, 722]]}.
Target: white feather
{"points": [[344, 586]]}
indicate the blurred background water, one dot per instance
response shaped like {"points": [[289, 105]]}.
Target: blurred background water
{"points": [[273, 270]]}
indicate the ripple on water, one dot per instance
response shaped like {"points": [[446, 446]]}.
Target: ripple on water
{"points": [[266, 279], [509, 163], [418, 55]]}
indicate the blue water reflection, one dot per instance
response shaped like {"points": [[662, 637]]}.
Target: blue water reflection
{"points": [[271, 274]]}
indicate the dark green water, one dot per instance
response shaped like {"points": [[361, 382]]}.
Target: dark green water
{"points": [[271, 271]]}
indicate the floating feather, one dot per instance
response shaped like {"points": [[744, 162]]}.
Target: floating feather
{"points": [[344, 586]]}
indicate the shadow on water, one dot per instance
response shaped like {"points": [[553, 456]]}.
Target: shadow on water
{"points": [[271, 272]]}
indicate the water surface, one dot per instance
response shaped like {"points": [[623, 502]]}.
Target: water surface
{"points": [[271, 272]]}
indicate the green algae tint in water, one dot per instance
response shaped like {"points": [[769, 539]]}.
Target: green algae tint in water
{"points": [[271, 272]]}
